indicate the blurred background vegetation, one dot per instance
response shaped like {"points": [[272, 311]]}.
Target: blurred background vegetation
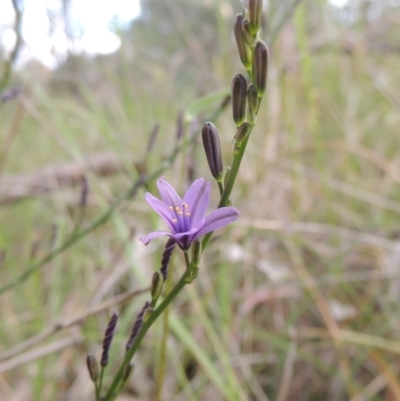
{"points": [[299, 299]]}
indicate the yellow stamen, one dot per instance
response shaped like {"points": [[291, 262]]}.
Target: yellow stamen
{"points": [[186, 206], [187, 214], [177, 209], [180, 213], [174, 220], [171, 208]]}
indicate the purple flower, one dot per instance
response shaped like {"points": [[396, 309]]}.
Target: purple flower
{"points": [[186, 217]]}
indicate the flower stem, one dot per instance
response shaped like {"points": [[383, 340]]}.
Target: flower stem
{"points": [[112, 391], [237, 159]]}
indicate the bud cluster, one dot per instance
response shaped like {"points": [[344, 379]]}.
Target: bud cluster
{"points": [[253, 53]]}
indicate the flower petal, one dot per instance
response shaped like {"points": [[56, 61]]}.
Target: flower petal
{"points": [[217, 219], [162, 209], [168, 194], [198, 198], [151, 236]]}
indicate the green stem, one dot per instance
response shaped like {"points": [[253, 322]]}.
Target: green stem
{"points": [[237, 159], [146, 325], [98, 387]]}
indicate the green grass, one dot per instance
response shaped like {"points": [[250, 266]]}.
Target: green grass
{"points": [[325, 150]]}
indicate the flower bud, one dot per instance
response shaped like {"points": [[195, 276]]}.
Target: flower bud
{"points": [[93, 367], [239, 92], [260, 67], [156, 285], [255, 14], [243, 48], [212, 149]]}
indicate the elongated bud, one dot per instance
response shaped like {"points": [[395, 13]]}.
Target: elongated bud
{"points": [[243, 48], [93, 367], [260, 67], [212, 149], [156, 285], [255, 14], [239, 92], [128, 371], [252, 98], [108, 339], [196, 247], [252, 101]]}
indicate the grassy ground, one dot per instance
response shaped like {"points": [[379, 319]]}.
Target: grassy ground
{"points": [[298, 300]]}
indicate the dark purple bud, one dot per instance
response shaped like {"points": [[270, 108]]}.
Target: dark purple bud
{"points": [[260, 67], [108, 339], [136, 326], [93, 367], [169, 248], [156, 285], [255, 14], [243, 48], [212, 148], [239, 94]]}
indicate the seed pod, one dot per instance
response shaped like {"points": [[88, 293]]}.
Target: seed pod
{"points": [[239, 92], [156, 285], [212, 149], [255, 15], [243, 48], [93, 367], [260, 67]]}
